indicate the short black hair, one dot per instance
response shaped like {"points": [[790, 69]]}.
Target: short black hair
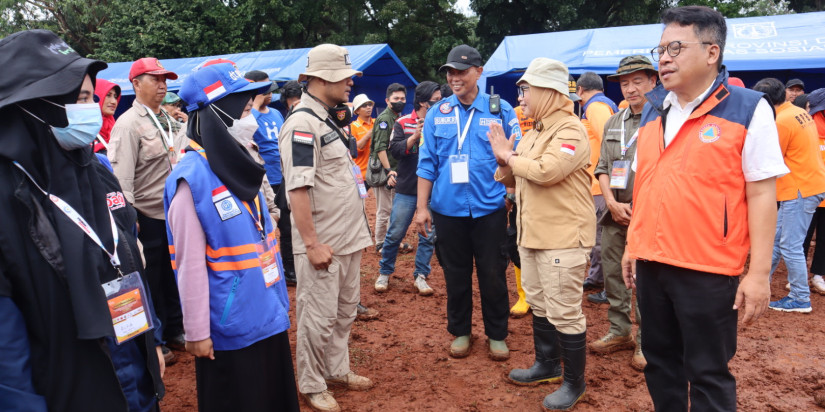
{"points": [[773, 88], [423, 92], [590, 81], [708, 24], [395, 87], [446, 91], [291, 89], [801, 101], [256, 76]]}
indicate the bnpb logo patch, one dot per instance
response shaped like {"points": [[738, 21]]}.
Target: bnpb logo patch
{"points": [[445, 108], [710, 133]]}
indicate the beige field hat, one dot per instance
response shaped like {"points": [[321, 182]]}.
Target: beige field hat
{"points": [[329, 62], [360, 100], [546, 73]]}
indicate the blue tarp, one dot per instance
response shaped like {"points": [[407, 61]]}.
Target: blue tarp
{"points": [[378, 62], [784, 46]]}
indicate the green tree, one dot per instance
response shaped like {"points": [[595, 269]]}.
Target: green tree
{"points": [[74, 20]]}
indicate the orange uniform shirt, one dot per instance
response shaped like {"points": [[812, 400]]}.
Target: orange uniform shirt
{"points": [[358, 129], [597, 115], [799, 141], [819, 120], [525, 123]]}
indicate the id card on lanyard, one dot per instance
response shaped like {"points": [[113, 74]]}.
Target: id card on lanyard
{"points": [[621, 168], [460, 163], [124, 295], [168, 143], [359, 179], [270, 258]]}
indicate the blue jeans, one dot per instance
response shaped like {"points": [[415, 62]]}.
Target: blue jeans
{"points": [[792, 223], [403, 210]]}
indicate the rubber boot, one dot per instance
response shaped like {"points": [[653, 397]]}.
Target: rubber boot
{"points": [[573, 348], [547, 367], [521, 307]]}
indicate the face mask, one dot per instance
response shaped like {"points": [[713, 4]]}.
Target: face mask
{"points": [[85, 121], [432, 103], [242, 129], [398, 106], [340, 114]]}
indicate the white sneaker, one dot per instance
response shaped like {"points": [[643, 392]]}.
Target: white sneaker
{"points": [[421, 284], [382, 283], [818, 284], [788, 286]]}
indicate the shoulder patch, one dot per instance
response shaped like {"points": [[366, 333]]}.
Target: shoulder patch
{"points": [[383, 125], [115, 200], [306, 138], [445, 108]]}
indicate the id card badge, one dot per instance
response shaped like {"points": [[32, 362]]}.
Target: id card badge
{"points": [[271, 263], [459, 169], [127, 306], [359, 181], [618, 177]]}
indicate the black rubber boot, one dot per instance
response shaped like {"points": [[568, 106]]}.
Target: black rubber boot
{"points": [[547, 367], [572, 389]]}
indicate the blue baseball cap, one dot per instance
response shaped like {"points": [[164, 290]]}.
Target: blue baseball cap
{"points": [[211, 83], [817, 100]]}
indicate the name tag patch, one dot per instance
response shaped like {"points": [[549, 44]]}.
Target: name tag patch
{"points": [[488, 121], [445, 120], [328, 138], [224, 203]]}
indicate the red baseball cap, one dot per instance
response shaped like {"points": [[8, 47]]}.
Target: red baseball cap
{"points": [[149, 65], [735, 81], [219, 61]]}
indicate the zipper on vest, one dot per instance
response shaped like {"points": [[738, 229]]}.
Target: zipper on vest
{"points": [[725, 223], [230, 299]]}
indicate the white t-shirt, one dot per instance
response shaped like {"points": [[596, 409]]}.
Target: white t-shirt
{"points": [[761, 155]]}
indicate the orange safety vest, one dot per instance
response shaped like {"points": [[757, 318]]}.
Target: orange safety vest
{"points": [[689, 206]]}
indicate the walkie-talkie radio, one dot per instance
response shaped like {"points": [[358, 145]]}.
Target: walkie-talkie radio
{"points": [[495, 102]]}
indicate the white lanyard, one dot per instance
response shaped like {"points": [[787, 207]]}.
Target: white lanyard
{"points": [[102, 141], [632, 139], [78, 220], [463, 135], [166, 137]]}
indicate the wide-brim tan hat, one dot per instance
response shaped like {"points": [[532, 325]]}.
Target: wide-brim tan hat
{"points": [[329, 62], [546, 73]]}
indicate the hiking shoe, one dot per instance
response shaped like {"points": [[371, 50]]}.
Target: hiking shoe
{"points": [[787, 304], [322, 401], [460, 347], [382, 283], [818, 284], [591, 285], [421, 284], [168, 356], [365, 313], [351, 381], [499, 350], [638, 361], [177, 342], [600, 297], [611, 343]]}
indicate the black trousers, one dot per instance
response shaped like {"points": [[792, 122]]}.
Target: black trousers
{"points": [[460, 240], [689, 337], [817, 225], [285, 228], [512, 237], [160, 276], [257, 378]]}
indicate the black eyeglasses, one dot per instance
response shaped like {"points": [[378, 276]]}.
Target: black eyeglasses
{"points": [[673, 48], [522, 90]]}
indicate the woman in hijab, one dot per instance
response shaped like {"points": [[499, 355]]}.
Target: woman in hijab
{"points": [[59, 244], [556, 226], [234, 299], [108, 95]]}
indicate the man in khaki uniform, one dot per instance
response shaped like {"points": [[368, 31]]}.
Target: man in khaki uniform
{"points": [[142, 150], [329, 225], [615, 172]]}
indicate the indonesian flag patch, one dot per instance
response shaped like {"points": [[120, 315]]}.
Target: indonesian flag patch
{"points": [[302, 137], [214, 90], [224, 203], [568, 148]]}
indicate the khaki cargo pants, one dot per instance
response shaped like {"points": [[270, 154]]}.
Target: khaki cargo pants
{"points": [[552, 282]]}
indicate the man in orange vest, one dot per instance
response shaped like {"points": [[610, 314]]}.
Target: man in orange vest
{"points": [[706, 165], [798, 193]]}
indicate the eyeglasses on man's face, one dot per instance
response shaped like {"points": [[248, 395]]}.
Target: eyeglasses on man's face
{"points": [[673, 48]]}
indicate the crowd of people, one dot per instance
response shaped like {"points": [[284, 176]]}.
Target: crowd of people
{"points": [[177, 225]]}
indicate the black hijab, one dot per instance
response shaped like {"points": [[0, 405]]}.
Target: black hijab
{"points": [[42, 66], [230, 161]]}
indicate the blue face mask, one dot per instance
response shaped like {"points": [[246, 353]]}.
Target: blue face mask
{"points": [[85, 121]]}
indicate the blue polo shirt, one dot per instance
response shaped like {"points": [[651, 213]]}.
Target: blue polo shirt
{"points": [[482, 195], [266, 137]]}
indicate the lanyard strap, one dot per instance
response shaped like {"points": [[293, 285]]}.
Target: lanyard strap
{"points": [[78, 220], [257, 220], [463, 135], [167, 137], [102, 141], [632, 139]]}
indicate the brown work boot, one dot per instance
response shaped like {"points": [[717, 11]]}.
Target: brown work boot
{"points": [[352, 382], [638, 361], [611, 343], [365, 313], [322, 401]]}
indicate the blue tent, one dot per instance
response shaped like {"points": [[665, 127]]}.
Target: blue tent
{"points": [[785, 47], [378, 62]]}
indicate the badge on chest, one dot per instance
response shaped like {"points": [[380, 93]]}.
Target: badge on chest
{"points": [[224, 203]]}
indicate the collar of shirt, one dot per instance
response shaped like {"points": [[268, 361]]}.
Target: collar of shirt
{"points": [[310, 103], [672, 100], [477, 104], [367, 123]]}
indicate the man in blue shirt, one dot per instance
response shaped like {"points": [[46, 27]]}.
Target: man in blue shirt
{"points": [[266, 137], [456, 166]]}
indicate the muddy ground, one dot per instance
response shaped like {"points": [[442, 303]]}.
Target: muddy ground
{"points": [[779, 364]]}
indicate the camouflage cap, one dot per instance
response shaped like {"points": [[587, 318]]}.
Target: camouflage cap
{"points": [[632, 64]]}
